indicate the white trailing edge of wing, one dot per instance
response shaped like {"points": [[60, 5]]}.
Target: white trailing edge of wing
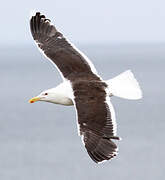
{"points": [[113, 116]]}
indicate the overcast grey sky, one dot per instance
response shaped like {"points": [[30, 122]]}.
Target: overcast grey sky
{"points": [[87, 21]]}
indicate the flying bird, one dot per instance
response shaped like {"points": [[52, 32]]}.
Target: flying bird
{"points": [[83, 88]]}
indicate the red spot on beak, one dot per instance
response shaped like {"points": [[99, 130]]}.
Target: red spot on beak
{"points": [[34, 99]]}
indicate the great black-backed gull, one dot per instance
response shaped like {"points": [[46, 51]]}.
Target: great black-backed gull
{"points": [[83, 88]]}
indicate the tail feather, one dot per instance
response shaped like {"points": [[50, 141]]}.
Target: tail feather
{"points": [[125, 86]]}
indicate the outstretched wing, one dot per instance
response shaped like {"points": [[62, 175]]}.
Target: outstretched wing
{"points": [[65, 56], [96, 119]]}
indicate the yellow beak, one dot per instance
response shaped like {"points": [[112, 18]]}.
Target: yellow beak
{"points": [[34, 99]]}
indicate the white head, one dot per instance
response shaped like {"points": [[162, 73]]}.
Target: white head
{"points": [[54, 95], [47, 95]]}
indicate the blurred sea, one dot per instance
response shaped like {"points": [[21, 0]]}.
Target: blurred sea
{"points": [[39, 141]]}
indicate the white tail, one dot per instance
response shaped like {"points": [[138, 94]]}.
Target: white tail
{"points": [[125, 86]]}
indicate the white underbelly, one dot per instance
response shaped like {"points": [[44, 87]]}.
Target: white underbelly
{"points": [[65, 101], [64, 94]]}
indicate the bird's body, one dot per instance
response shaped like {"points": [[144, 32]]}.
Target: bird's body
{"points": [[83, 88]]}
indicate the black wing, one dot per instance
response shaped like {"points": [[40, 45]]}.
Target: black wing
{"points": [[96, 119], [67, 58]]}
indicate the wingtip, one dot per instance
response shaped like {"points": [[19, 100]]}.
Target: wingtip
{"points": [[33, 13]]}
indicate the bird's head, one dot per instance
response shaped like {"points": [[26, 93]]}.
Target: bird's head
{"points": [[47, 96]]}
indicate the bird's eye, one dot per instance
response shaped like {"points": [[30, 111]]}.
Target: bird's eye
{"points": [[46, 94]]}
